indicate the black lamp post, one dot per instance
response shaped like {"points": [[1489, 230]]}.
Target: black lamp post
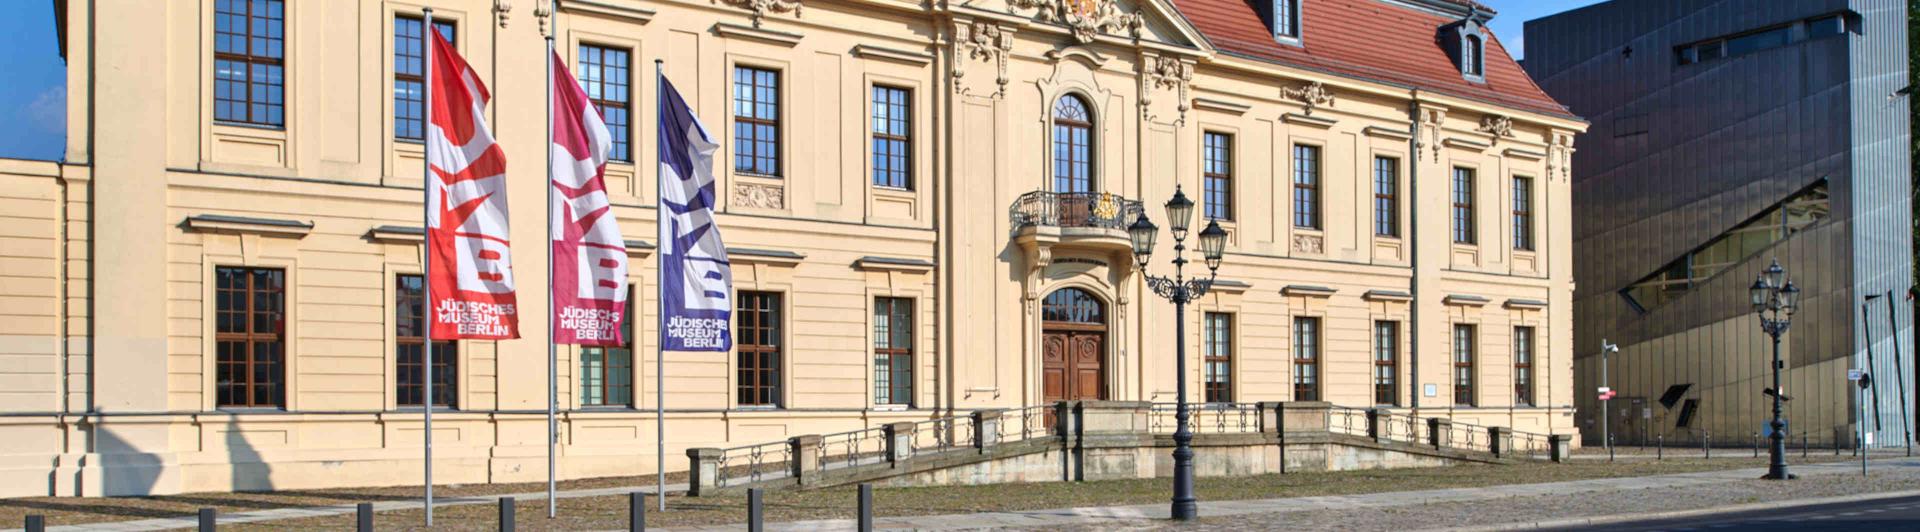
{"points": [[1774, 300], [1179, 289]]}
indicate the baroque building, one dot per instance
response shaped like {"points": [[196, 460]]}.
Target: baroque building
{"points": [[218, 287]]}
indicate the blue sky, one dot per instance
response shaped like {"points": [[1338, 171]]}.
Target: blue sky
{"points": [[1510, 22], [33, 100]]}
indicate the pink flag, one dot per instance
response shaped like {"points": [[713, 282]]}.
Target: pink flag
{"points": [[472, 281], [589, 256]]}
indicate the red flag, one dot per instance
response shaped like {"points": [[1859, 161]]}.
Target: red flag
{"points": [[589, 255], [472, 282]]}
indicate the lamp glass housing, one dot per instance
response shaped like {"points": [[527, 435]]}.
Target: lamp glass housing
{"points": [[1179, 213], [1213, 244], [1142, 234], [1790, 298], [1776, 276], [1759, 293]]}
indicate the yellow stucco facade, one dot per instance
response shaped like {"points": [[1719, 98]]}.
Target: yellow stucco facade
{"points": [[108, 259]]}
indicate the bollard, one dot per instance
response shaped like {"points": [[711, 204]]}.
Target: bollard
{"points": [[636, 511], [1756, 445], [506, 514], [36, 523], [755, 520], [206, 520], [363, 517], [1706, 445], [1660, 447], [1803, 444], [1609, 447], [866, 508]]}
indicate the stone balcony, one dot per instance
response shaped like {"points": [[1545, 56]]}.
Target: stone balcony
{"points": [[1088, 221]]}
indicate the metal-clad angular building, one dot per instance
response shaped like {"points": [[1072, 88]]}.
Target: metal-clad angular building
{"points": [[1728, 133]]}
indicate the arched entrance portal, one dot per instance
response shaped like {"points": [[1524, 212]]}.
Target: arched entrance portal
{"points": [[1073, 346]]}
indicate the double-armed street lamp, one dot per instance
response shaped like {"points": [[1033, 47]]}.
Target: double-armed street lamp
{"points": [[1774, 300], [1180, 290]]}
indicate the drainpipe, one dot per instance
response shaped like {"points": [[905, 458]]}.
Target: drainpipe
{"points": [[1413, 238]]}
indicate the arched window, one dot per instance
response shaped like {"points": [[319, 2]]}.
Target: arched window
{"points": [[1073, 305], [1072, 145], [1471, 57]]}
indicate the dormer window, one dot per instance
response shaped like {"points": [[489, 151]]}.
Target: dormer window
{"points": [[1283, 16], [1472, 58], [1466, 43]]}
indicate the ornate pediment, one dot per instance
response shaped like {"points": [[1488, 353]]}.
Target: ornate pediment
{"points": [[1496, 126], [760, 8], [1087, 19], [1312, 95]]}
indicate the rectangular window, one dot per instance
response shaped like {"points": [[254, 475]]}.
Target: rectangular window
{"points": [[1386, 363], [249, 337], [606, 74], [1217, 172], [249, 61], [409, 71], [1306, 359], [756, 121], [1463, 347], [1754, 42], [1219, 357], [1386, 196], [1523, 366], [757, 341], [1286, 18], [892, 137], [409, 334], [606, 373], [1523, 213], [893, 351], [1463, 206], [1306, 186]]}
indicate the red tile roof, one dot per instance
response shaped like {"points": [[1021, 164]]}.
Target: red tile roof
{"points": [[1370, 39]]}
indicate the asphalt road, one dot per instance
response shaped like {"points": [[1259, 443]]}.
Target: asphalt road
{"points": [[1884, 514]]}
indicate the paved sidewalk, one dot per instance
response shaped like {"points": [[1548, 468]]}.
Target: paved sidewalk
{"points": [[175, 523], [1144, 516]]}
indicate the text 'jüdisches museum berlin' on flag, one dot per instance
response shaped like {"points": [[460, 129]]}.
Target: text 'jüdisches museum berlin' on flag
{"points": [[472, 281], [589, 256], [695, 279]]}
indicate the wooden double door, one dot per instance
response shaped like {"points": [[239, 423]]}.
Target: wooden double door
{"points": [[1073, 363]]}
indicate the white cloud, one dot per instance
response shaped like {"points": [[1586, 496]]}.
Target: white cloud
{"points": [[48, 110]]}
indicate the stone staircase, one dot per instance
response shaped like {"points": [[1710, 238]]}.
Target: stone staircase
{"points": [[1105, 440]]}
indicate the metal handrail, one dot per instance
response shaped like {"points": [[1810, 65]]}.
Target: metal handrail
{"points": [[1073, 209], [851, 448], [1206, 418], [753, 463], [1027, 423]]}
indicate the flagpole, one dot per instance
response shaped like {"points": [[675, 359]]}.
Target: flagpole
{"points": [[553, 364], [660, 303], [426, 226]]}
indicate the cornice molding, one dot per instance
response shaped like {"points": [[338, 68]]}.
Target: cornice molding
{"points": [[736, 31], [888, 54], [1221, 106], [220, 223], [874, 263], [397, 233], [1315, 121], [765, 256], [1389, 133], [1308, 291], [608, 9]]}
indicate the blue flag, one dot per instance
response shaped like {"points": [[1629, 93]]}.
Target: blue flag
{"points": [[696, 300]]}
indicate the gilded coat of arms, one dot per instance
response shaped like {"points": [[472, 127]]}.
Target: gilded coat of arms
{"points": [[1106, 209], [1086, 18]]}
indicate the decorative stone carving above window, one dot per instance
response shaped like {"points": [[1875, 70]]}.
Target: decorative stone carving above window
{"points": [[1560, 155], [1165, 73], [1313, 95], [981, 41], [760, 196], [1431, 120], [1496, 126], [1087, 19], [760, 8], [1308, 244]]}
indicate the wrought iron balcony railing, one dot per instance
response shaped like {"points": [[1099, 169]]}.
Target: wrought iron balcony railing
{"points": [[1073, 209]]}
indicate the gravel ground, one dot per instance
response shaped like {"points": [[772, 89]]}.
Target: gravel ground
{"points": [[1534, 509]]}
